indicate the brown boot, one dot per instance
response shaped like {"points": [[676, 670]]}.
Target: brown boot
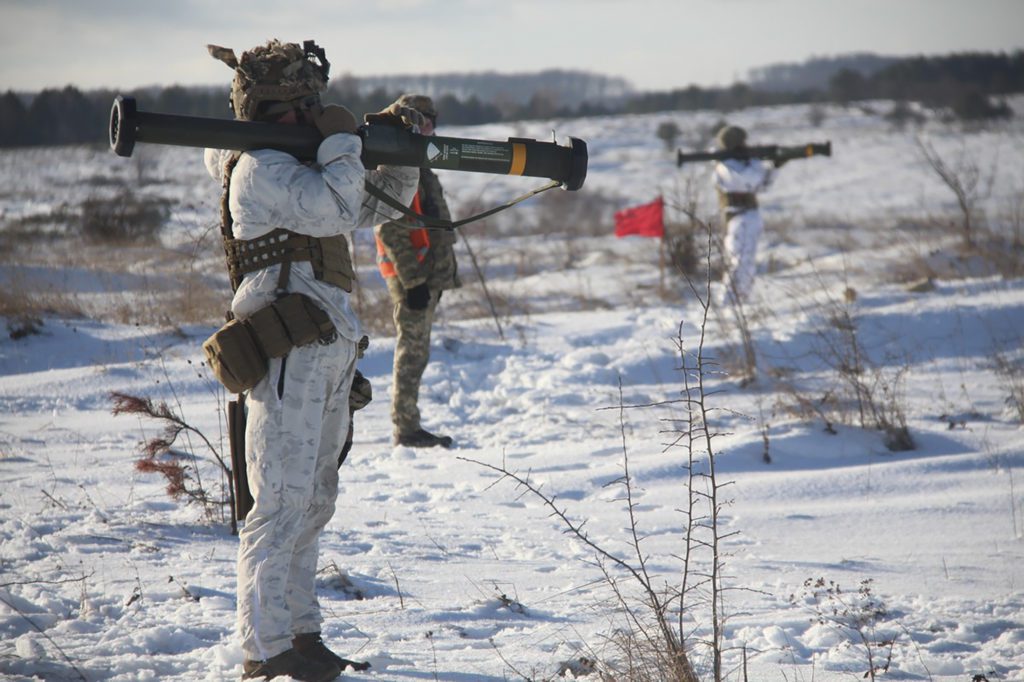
{"points": [[311, 646], [421, 438], [292, 664]]}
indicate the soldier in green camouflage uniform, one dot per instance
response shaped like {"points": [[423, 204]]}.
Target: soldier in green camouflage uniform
{"points": [[417, 264]]}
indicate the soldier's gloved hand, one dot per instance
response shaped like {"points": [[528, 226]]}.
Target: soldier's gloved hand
{"points": [[397, 115], [361, 393], [418, 298], [332, 119]]}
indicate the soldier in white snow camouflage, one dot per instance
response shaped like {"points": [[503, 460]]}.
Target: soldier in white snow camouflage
{"points": [[298, 414], [737, 182]]}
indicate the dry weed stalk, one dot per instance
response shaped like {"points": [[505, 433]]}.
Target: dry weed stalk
{"points": [[1011, 374], [656, 643], [857, 617], [664, 655], [868, 393], [180, 469], [740, 319], [876, 393], [964, 179]]}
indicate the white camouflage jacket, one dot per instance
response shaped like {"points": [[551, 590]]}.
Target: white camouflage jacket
{"points": [[272, 189], [747, 176]]}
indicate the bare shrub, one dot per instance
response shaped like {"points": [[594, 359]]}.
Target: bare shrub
{"points": [[903, 114], [668, 132], [821, 405], [181, 468], [21, 326], [1010, 370], [681, 237], [1016, 213], [36, 227], [871, 395], [816, 115], [654, 643], [1005, 254], [651, 645], [123, 218], [858, 617], [963, 177]]}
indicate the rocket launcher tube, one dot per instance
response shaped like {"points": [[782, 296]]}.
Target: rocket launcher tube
{"points": [[770, 152], [382, 144]]}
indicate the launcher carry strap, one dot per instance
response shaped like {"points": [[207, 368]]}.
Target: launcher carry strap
{"points": [[426, 221]]}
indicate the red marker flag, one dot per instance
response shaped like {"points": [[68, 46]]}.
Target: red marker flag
{"points": [[646, 220]]}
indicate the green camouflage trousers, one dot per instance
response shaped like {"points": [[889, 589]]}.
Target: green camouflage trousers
{"points": [[412, 352]]}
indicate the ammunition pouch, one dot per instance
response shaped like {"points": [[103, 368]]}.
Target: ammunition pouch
{"points": [[737, 202], [361, 393], [239, 351], [235, 357]]}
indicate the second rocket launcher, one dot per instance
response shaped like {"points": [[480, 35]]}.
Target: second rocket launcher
{"points": [[770, 152], [382, 144]]}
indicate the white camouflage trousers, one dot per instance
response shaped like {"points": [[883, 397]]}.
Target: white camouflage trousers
{"points": [[296, 424], [740, 253]]}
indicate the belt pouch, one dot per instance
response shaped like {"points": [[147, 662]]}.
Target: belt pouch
{"points": [[235, 357], [270, 329]]}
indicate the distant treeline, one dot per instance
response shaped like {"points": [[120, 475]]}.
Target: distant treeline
{"points": [[965, 84]]}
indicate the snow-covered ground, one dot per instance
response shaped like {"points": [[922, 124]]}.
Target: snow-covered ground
{"points": [[433, 567]]}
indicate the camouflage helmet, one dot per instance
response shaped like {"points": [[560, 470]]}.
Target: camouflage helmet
{"points": [[420, 103], [731, 137], [275, 72]]}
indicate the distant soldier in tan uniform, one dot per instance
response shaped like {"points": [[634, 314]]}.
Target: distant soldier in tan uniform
{"points": [[417, 264]]}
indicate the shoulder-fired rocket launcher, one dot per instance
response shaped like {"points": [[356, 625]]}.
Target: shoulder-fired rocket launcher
{"points": [[775, 153], [382, 144]]}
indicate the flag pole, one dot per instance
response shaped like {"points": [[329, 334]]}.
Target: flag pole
{"points": [[661, 265], [661, 254]]}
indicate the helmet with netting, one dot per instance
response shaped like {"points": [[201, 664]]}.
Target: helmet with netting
{"points": [[420, 103], [275, 77], [731, 137]]}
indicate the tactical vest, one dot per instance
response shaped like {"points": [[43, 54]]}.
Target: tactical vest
{"points": [[732, 203], [328, 256], [420, 239]]}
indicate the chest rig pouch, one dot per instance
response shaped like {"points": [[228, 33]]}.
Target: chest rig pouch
{"points": [[238, 353], [732, 203]]}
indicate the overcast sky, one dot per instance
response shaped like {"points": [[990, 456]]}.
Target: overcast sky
{"points": [[655, 44]]}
